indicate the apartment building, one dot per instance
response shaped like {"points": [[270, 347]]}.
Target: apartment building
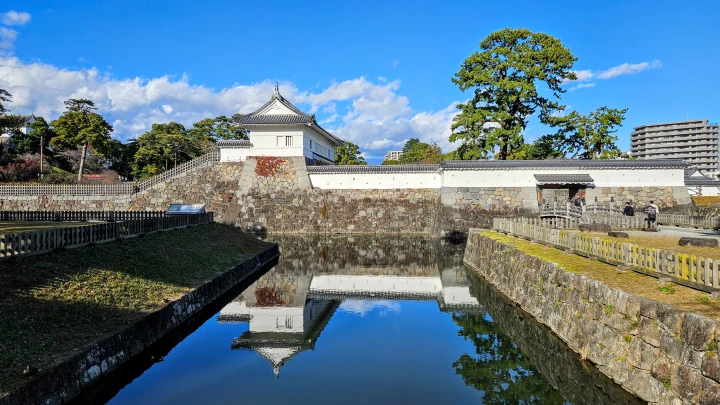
{"points": [[695, 141], [394, 155]]}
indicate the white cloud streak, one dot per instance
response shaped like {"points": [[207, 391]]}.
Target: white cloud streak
{"points": [[15, 18], [582, 86], [7, 39], [619, 70]]}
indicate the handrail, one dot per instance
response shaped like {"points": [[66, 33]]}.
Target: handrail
{"points": [[690, 270]]}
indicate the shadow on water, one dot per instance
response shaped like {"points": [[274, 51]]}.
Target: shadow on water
{"points": [[105, 389], [515, 359]]}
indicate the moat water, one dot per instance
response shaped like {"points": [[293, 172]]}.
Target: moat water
{"points": [[363, 320]]}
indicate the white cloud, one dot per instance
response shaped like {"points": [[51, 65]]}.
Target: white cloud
{"points": [[7, 39], [395, 63], [624, 69], [363, 307], [15, 18], [628, 69], [371, 114], [582, 86]]}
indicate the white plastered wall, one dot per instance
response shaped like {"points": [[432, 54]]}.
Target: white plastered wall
{"points": [[602, 178], [365, 181]]}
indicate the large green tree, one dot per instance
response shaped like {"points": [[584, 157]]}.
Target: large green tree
{"points": [[348, 154], [163, 147], [504, 77], [590, 136], [80, 126], [214, 129]]}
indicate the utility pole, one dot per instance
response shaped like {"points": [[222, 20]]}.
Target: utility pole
{"points": [[41, 158]]}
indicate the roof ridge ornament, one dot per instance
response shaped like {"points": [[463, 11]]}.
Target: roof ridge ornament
{"points": [[276, 94]]}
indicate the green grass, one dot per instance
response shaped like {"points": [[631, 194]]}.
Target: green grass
{"points": [[25, 226], [668, 288], [53, 304], [684, 298]]}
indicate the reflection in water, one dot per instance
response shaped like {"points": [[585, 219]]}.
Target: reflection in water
{"points": [[499, 368], [382, 320], [289, 307]]}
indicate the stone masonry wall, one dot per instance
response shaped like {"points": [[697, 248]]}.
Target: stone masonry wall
{"points": [[641, 196], [212, 185], [654, 350]]}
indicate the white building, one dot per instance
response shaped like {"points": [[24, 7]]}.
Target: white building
{"points": [[279, 129], [24, 127], [394, 155]]}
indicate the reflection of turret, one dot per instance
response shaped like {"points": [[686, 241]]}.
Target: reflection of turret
{"points": [[290, 305], [279, 342]]}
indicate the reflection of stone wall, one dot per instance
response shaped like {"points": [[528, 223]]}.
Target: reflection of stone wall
{"points": [[359, 255], [578, 381], [651, 349]]}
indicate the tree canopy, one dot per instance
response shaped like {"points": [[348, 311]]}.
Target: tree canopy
{"points": [[504, 76], [590, 136], [81, 126], [420, 152], [163, 147], [348, 154], [214, 129]]}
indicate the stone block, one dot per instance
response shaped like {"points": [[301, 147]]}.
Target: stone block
{"points": [[698, 242], [687, 383], [595, 228], [698, 331]]}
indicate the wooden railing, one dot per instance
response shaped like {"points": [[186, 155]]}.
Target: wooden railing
{"points": [[694, 221], [693, 271], [43, 241], [108, 189], [570, 210], [616, 221], [66, 216]]}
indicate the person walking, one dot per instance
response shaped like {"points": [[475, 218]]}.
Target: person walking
{"points": [[628, 211], [652, 210]]}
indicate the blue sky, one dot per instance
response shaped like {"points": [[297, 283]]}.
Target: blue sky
{"points": [[375, 73]]}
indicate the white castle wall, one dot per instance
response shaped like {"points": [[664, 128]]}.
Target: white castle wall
{"points": [[485, 178]]}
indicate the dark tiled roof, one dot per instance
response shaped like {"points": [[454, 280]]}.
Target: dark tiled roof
{"points": [[371, 169], [701, 181], [234, 144], [564, 163], [563, 178], [278, 119], [283, 119]]}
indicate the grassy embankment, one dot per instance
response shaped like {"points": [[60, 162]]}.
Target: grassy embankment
{"points": [[54, 304], [704, 201], [658, 241], [684, 298]]}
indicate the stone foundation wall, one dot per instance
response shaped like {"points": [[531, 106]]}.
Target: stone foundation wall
{"points": [[641, 196], [576, 379], [653, 350], [213, 185]]}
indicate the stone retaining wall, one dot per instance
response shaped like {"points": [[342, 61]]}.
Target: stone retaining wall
{"points": [[641, 196], [66, 380], [576, 379], [654, 350]]}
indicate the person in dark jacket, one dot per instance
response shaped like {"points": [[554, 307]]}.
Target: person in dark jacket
{"points": [[629, 211]]}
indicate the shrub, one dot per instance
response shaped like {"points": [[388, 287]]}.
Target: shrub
{"points": [[26, 170]]}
